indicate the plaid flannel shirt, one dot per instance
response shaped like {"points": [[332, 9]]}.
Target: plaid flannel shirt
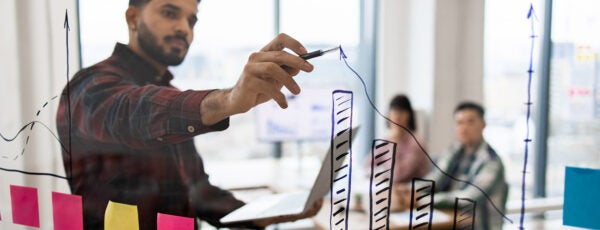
{"points": [[132, 142], [484, 169]]}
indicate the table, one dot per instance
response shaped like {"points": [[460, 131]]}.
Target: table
{"points": [[398, 220]]}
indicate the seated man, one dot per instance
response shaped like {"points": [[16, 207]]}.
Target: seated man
{"points": [[472, 159]]}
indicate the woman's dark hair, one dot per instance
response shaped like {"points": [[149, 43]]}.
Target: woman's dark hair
{"points": [[401, 102]]}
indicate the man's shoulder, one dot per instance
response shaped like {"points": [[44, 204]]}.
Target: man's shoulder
{"points": [[106, 67], [490, 151]]}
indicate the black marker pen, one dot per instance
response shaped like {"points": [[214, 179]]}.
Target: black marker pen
{"points": [[318, 53]]}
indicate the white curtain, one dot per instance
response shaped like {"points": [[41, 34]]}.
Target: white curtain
{"points": [[33, 64]]}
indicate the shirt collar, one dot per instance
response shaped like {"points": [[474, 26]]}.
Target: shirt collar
{"points": [[141, 71]]}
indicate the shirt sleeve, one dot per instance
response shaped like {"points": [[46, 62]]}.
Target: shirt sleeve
{"points": [[108, 109]]}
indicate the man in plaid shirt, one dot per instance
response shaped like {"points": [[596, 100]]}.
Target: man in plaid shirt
{"points": [[131, 132], [472, 159]]}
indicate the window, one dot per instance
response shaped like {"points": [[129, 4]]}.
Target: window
{"points": [[574, 118], [227, 32], [507, 46]]}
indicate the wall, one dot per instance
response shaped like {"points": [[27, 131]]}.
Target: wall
{"points": [[432, 51]]}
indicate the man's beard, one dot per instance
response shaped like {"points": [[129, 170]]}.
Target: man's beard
{"points": [[149, 43]]}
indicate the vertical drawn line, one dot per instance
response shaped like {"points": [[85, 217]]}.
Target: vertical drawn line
{"points": [[67, 29], [433, 163], [378, 200], [424, 208], [464, 210], [341, 160], [530, 17]]}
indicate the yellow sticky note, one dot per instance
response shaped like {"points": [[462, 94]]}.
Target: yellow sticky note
{"points": [[121, 217]]}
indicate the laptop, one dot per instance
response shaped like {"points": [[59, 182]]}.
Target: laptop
{"points": [[291, 203]]}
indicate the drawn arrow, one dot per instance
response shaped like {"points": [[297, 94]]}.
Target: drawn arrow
{"points": [[530, 16], [67, 29]]}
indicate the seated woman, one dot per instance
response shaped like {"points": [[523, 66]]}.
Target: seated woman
{"points": [[411, 161]]}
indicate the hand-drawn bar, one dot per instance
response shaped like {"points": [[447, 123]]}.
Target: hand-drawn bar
{"points": [[341, 136], [421, 203], [464, 213], [383, 157]]}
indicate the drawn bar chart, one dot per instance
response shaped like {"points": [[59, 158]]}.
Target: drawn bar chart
{"points": [[383, 157], [464, 213], [341, 136], [421, 203]]}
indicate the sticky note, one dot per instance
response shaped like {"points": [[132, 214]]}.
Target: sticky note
{"points": [[25, 208], [67, 211], [581, 199], [171, 222], [121, 217]]}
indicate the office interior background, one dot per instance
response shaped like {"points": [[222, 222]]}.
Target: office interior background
{"points": [[437, 52]]}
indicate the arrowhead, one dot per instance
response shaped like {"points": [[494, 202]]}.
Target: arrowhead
{"points": [[531, 11], [66, 24], [342, 54]]}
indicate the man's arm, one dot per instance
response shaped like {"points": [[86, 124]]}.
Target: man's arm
{"points": [[105, 108]]}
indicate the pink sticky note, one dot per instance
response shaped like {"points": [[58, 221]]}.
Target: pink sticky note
{"points": [[25, 209], [171, 222], [67, 211]]}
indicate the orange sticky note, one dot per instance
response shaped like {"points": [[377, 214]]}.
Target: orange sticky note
{"points": [[121, 217], [171, 222], [25, 209], [67, 211]]}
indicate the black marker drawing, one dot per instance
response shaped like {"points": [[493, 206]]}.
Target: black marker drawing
{"points": [[487, 197], [383, 158], [32, 123], [67, 29], [421, 203], [530, 16], [464, 214], [341, 126]]}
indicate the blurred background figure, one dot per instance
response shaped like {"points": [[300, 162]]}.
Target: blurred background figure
{"points": [[473, 160], [411, 161]]}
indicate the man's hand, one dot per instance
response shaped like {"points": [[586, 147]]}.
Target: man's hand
{"points": [[265, 73], [308, 213]]}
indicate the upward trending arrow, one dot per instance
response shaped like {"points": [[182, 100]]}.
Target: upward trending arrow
{"points": [[66, 24], [531, 12], [67, 29]]}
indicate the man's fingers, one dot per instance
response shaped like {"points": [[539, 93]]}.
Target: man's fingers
{"points": [[266, 90], [282, 58], [283, 41], [272, 72]]}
